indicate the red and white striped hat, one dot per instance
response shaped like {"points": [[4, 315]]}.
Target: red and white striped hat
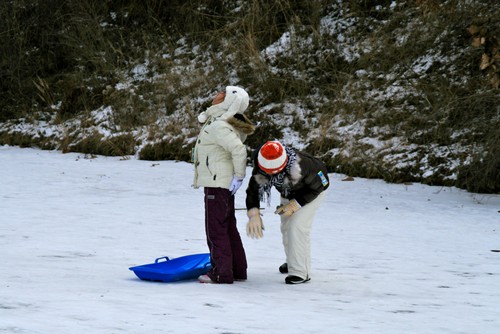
{"points": [[272, 157]]}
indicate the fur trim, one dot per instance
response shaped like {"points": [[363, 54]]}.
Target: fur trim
{"points": [[295, 171], [241, 123], [294, 176], [261, 179]]}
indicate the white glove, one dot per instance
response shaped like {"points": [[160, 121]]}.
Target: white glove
{"points": [[235, 184], [254, 225]]}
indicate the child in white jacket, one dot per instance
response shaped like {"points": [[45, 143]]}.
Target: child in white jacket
{"points": [[220, 162]]}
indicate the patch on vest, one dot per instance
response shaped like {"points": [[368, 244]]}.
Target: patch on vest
{"points": [[324, 181]]}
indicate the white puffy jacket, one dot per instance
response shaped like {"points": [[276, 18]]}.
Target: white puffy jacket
{"points": [[219, 153]]}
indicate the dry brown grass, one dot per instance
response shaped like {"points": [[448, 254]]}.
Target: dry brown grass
{"points": [[79, 52]]}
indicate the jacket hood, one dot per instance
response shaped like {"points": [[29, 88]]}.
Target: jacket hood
{"points": [[235, 102]]}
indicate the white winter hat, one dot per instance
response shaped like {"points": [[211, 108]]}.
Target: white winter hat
{"points": [[272, 157], [235, 102]]}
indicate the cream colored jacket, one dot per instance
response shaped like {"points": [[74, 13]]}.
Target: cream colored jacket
{"points": [[219, 153]]}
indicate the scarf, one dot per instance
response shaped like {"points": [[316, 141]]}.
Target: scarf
{"points": [[278, 180]]}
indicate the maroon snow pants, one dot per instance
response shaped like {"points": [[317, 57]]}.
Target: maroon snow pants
{"points": [[226, 249]]}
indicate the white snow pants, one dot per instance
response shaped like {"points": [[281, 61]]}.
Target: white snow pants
{"points": [[296, 233]]}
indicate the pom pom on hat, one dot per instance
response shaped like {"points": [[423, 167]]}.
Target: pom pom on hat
{"points": [[202, 117], [272, 157]]}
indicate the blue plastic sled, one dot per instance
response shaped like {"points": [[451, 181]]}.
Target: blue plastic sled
{"points": [[181, 268]]}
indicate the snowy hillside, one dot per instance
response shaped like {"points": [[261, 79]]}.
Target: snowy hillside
{"points": [[386, 258], [404, 91]]}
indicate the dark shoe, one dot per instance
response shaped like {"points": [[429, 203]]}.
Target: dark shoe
{"points": [[240, 279], [284, 268], [296, 280]]}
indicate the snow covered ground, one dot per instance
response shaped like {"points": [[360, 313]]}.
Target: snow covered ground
{"points": [[387, 258]]}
